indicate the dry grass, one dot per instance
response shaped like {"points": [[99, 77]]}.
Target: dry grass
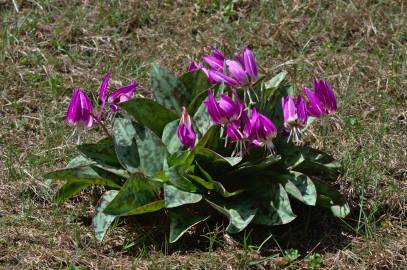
{"points": [[50, 46]]}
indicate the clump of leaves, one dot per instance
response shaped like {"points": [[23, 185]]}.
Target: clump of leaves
{"points": [[192, 167]]}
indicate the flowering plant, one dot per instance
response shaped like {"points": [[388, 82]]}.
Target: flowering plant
{"points": [[219, 138]]}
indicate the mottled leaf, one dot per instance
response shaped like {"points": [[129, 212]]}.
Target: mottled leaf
{"points": [[68, 190], [177, 175], [135, 193], [329, 197], [102, 221], [201, 120], [175, 197], [275, 82], [299, 186], [181, 222], [240, 213], [170, 137], [149, 113], [168, 90], [102, 152]]}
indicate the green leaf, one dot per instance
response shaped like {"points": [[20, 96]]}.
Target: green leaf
{"points": [[138, 148], [275, 82], [102, 221], [329, 197], [181, 222], [195, 82], [201, 120], [68, 190], [239, 212], [125, 142], [219, 188], [170, 137], [213, 162], [197, 102], [299, 186], [168, 90], [274, 205], [149, 113], [87, 174], [137, 192], [175, 197], [177, 175], [254, 166], [102, 152]]}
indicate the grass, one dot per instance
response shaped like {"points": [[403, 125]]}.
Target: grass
{"points": [[51, 46]]}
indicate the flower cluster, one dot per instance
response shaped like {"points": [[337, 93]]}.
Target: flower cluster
{"points": [[80, 110], [245, 124], [242, 122]]}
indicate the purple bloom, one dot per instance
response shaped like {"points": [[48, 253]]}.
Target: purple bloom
{"points": [[79, 112], [237, 71], [295, 117], [102, 93], [262, 130], [225, 110], [322, 100], [122, 94], [214, 62], [185, 131], [233, 132], [250, 63]]}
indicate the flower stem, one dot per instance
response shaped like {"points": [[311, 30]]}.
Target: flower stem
{"points": [[102, 125]]}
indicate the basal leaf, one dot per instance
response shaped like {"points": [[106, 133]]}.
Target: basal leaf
{"points": [[125, 142], [212, 162], [138, 191], [195, 82], [329, 197], [181, 221], [275, 82], [68, 190], [175, 197], [149, 113], [102, 152], [299, 186], [201, 120], [177, 175], [170, 137], [168, 90], [273, 204], [102, 221], [87, 174], [138, 148], [240, 213], [276, 115]]}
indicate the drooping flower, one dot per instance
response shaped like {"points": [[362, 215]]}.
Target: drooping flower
{"points": [[295, 117], [79, 112], [322, 100], [216, 60], [122, 94], [103, 93], [185, 131], [224, 110], [262, 130]]}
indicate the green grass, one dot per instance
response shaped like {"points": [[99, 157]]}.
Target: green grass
{"points": [[51, 46]]}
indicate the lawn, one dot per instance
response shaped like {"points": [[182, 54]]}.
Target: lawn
{"points": [[48, 47]]}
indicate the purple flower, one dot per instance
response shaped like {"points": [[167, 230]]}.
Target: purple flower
{"points": [[79, 112], [250, 63], [225, 110], [237, 71], [262, 130], [102, 93], [295, 114], [185, 131], [233, 132], [322, 100], [122, 94]]}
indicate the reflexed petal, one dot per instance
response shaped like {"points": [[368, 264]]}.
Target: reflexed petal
{"points": [[122, 94], [228, 107], [219, 77], [237, 71], [103, 89], [193, 66], [325, 94], [213, 108], [213, 62], [250, 63], [233, 132], [218, 54]]}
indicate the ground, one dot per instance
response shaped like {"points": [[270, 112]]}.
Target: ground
{"points": [[48, 47]]}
